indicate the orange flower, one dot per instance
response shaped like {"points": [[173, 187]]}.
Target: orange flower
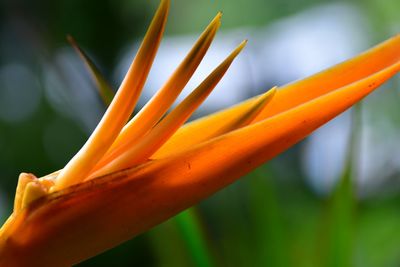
{"points": [[129, 177]]}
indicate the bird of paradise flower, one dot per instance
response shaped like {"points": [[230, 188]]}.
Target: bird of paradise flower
{"points": [[129, 177]]}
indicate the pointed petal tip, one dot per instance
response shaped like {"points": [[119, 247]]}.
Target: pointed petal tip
{"points": [[70, 39], [261, 103], [162, 12], [216, 22], [272, 91], [164, 4], [240, 47], [268, 94]]}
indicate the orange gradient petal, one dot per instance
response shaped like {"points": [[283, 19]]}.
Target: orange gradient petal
{"points": [[152, 112], [383, 56], [121, 107], [84, 220], [241, 118], [144, 148]]}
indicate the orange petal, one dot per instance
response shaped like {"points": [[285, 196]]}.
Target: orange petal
{"points": [[81, 221], [161, 102], [240, 118], [121, 107], [376, 59], [368, 63], [144, 148]]}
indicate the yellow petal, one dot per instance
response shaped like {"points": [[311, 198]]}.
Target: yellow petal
{"points": [[141, 151], [120, 109], [376, 59]]}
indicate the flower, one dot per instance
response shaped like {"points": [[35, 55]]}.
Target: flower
{"points": [[129, 177]]}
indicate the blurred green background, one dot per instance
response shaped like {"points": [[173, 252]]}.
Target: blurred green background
{"points": [[332, 200]]}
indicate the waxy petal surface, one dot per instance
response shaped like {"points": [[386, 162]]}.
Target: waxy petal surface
{"points": [[144, 148], [241, 118], [83, 220], [152, 112], [382, 56]]}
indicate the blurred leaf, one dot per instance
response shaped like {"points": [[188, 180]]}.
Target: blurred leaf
{"points": [[340, 230], [378, 238], [167, 246], [271, 244], [104, 89], [341, 212], [190, 230], [233, 227], [180, 242]]}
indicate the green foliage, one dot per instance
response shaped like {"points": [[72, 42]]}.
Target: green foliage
{"points": [[104, 89]]}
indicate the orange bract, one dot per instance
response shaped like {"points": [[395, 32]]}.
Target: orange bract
{"points": [[381, 57]]}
